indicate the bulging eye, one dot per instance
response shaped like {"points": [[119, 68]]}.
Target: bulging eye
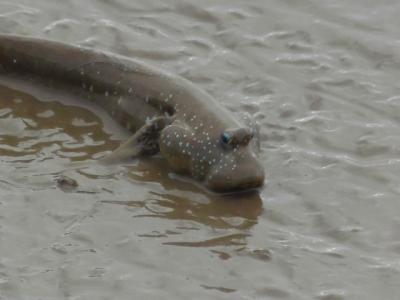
{"points": [[226, 138]]}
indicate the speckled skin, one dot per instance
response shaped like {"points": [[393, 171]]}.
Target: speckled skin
{"points": [[134, 95]]}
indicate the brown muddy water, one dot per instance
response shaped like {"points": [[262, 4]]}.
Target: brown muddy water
{"points": [[321, 78]]}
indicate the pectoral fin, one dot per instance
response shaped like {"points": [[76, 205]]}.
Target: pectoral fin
{"points": [[144, 142]]}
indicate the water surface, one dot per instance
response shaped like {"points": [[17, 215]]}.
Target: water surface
{"points": [[321, 78]]}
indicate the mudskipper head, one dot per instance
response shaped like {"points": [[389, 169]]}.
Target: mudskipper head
{"points": [[224, 160], [238, 168]]}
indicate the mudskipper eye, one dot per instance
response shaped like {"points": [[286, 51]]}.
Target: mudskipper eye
{"points": [[226, 138]]}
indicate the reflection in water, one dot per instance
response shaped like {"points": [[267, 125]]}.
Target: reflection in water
{"points": [[227, 214], [217, 212], [226, 240], [181, 199], [238, 211], [35, 130]]}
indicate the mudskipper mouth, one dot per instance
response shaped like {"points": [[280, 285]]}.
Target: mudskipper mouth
{"points": [[248, 177], [251, 185]]}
